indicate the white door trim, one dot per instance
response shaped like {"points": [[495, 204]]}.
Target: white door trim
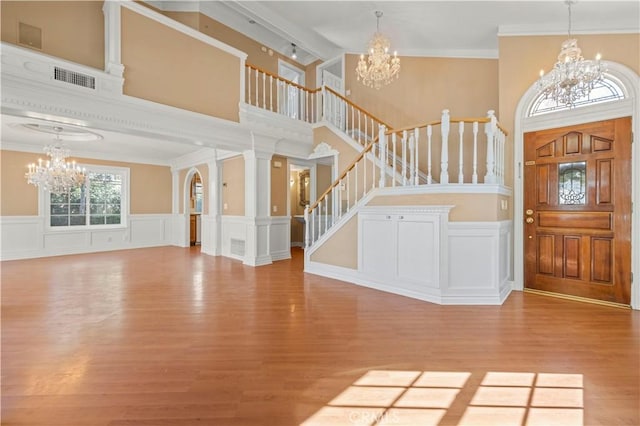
{"points": [[522, 123]]}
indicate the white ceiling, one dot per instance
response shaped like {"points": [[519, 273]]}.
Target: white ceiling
{"points": [[325, 29]]}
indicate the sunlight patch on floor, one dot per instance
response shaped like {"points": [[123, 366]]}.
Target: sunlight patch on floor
{"points": [[385, 398]]}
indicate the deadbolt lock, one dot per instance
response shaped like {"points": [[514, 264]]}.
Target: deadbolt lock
{"points": [[529, 212], [529, 220]]}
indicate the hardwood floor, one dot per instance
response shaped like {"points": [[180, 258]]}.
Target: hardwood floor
{"points": [[167, 336]]}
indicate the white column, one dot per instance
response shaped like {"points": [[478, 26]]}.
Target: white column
{"points": [[112, 38], [257, 201], [211, 223], [180, 237]]}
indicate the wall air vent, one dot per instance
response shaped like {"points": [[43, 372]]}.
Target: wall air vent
{"points": [[237, 247], [73, 77]]}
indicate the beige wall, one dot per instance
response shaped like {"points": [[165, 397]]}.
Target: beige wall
{"points": [[17, 198], [341, 249], [71, 30], [466, 87], [233, 186], [467, 207], [166, 66], [279, 185], [323, 179], [150, 186], [521, 59]]}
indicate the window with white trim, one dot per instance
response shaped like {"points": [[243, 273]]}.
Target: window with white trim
{"points": [[100, 202], [606, 90]]}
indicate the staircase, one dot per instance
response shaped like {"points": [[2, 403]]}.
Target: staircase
{"points": [[465, 151]]}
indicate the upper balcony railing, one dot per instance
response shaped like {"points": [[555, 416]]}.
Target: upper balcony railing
{"points": [[277, 94]]}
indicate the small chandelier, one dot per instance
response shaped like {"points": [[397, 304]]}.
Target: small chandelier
{"points": [[55, 175], [379, 68], [572, 77]]}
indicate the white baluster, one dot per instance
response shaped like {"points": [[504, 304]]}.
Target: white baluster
{"points": [[489, 128], [257, 90], [366, 133], [395, 158], [270, 93], [306, 226], [264, 91], [359, 128], [365, 189], [382, 146], [404, 158], [412, 157], [249, 85], [340, 189], [355, 170], [326, 215], [429, 134], [416, 176], [474, 177], [313, 225], [444, 154], [349, 190], [461, 153]]}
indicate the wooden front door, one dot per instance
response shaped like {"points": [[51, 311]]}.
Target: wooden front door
{"points": [[577, 205]]}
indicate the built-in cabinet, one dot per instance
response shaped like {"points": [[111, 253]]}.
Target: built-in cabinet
{"points": [[402, 247]]}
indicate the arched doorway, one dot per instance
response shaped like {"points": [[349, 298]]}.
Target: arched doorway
{"points": [[193, 206], [526, 122]]}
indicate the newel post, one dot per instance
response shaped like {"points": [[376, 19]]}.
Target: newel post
{"points": [[382, 145], [306, 227], [489, 130], [444, 154]]}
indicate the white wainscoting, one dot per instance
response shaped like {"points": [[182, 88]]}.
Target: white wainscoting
{"points": [[25, 237], [463, 263], [479, 259], [280, 238], [234, 237]]}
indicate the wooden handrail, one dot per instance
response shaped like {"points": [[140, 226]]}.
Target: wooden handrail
{"points": [[357, 107], [452, 120], [344, 173], [277, 77]]}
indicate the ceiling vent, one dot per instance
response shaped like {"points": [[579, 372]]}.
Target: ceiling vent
{"points": [[73, 77]]}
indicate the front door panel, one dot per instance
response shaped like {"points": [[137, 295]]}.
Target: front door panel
{"points": [[578, 210]]}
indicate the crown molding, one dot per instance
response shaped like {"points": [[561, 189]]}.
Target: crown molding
{"points": [[555, 29]]}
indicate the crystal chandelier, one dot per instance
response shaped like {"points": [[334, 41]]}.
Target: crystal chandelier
{"points": [[55, 175], [379, 68], [572, 77]]}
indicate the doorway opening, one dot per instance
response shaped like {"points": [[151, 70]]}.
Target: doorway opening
{"points": [[194, 202]]}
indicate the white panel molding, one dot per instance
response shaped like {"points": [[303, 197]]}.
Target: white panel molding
{"points": [[26, 237], [210, 235], [280, 238], [451, 188], [479, 259], [232, 228]]}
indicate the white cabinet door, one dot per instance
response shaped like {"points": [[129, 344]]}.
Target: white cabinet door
{"points": [[417, 253], [377, 246], [401, 250]]}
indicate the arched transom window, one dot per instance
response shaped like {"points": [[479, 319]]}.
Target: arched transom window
{"points": [[606, 90]]}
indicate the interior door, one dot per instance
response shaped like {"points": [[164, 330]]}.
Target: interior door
{"points": [[577, 206], [335, 112]]}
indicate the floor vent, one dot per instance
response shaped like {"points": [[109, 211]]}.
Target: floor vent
{"points": [[73, 77], [237, 247]]}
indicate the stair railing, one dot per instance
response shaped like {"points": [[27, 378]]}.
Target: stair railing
{"points": [[356, 122], [359, 178], [415, 149], [277, 94]]}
